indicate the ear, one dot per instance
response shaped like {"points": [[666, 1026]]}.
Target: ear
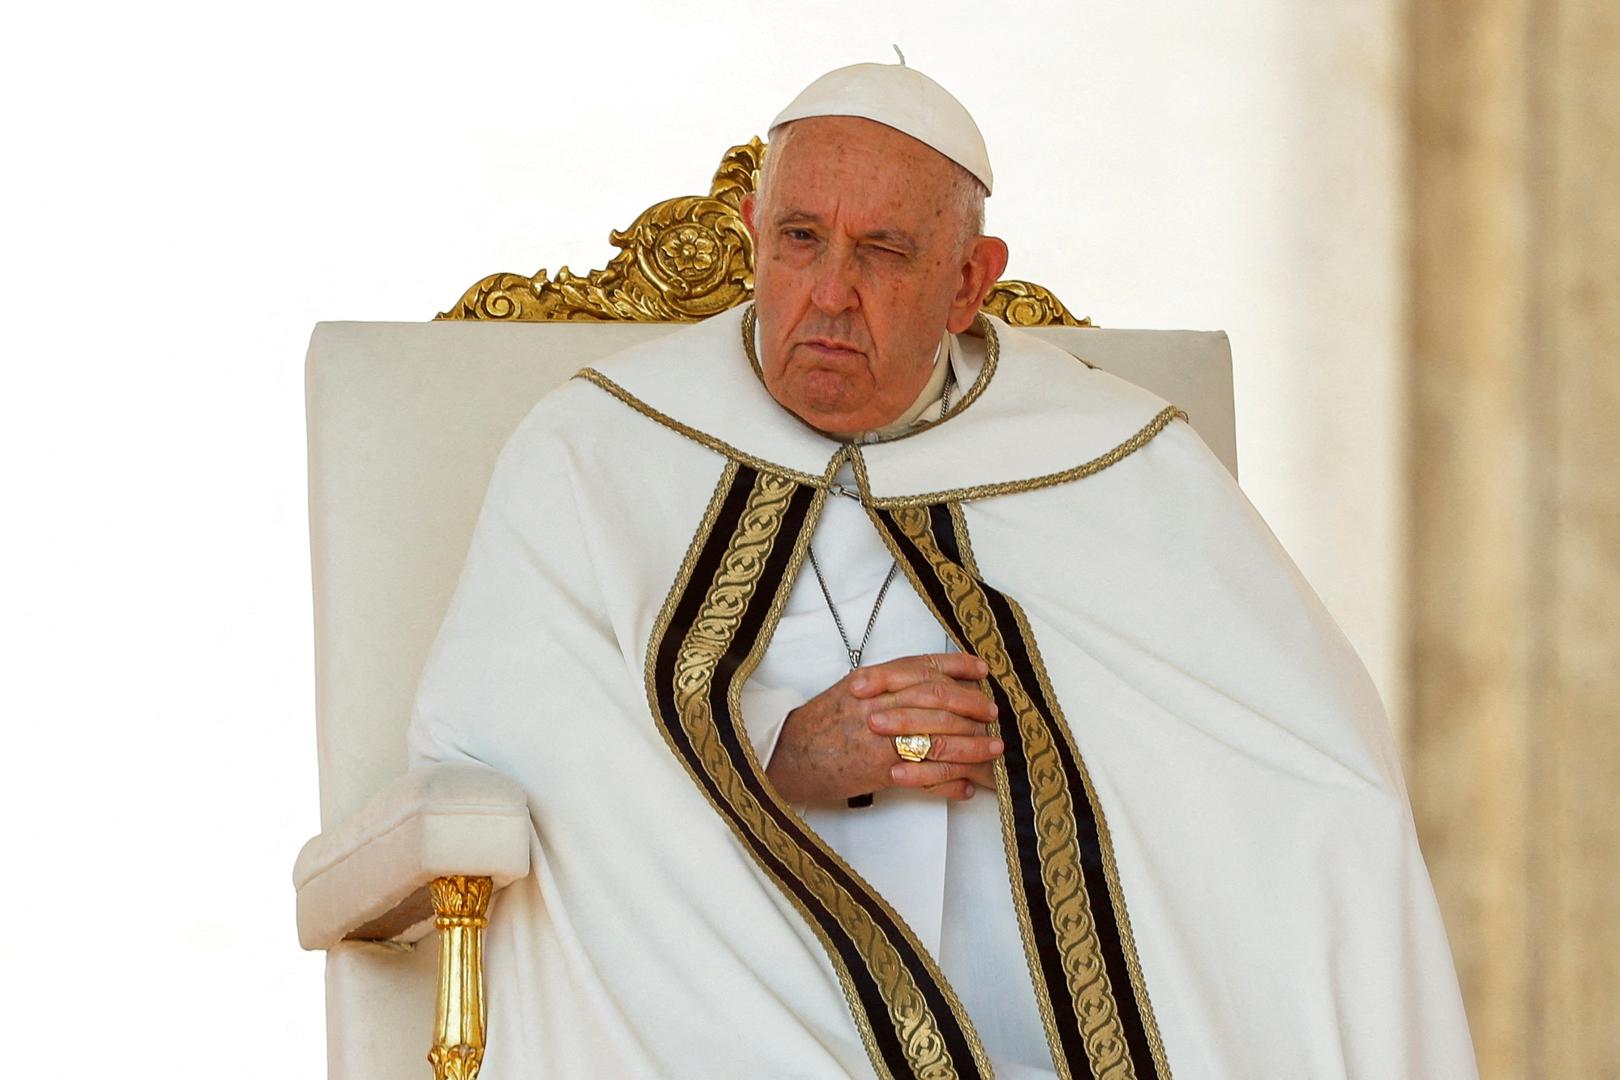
{"points": [[747, 208], [986, 259]]}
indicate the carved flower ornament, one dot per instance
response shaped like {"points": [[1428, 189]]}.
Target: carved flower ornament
{"points": [[691, 249]]}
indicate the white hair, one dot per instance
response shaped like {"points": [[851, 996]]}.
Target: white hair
{"points": [[967, 191]]}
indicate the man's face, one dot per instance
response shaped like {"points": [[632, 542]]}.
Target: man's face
{"points": [[860, 268]]}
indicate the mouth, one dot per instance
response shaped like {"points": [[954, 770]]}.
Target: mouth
{"points": [[831, 348]]}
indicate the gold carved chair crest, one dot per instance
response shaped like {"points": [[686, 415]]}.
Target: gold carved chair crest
{"points": [[685, 259]]}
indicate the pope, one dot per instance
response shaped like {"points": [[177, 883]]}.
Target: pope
{"points": [[898, 696]]}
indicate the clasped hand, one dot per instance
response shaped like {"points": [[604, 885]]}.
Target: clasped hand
{"points": [[840, 743]]}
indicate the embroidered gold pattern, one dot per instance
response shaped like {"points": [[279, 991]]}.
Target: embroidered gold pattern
{"points": [[1009, 827], [1122, 917], [703, 645], [661, 629], [1059, 847]]}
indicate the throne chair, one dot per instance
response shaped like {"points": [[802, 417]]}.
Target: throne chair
{"points": [[405, 421]]}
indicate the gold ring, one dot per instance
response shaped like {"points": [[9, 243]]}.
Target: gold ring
{"points": [[913, 747]]}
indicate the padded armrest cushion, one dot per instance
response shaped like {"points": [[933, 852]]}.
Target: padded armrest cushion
{"points": [[367, 878]]}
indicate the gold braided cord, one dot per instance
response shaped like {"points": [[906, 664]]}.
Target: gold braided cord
{"points": [[719, 446], [892, 502], [1014, 487]]}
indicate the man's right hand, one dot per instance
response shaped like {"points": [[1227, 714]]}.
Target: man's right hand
{"points": [[841, 742]]}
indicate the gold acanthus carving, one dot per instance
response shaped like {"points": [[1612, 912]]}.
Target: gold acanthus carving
{"points": [[685, 259], [461, 913], [1024, 303]]}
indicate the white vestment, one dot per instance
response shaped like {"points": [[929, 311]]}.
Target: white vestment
{"points": [[1199, 859]]}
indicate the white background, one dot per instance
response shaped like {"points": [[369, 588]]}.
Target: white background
{"points": [[190, 188]]}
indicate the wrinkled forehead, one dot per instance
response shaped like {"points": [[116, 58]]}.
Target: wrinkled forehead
{"points": [[850, 157]]}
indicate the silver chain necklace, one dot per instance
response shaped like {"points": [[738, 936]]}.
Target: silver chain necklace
{"points": [[857, 651], [854, 651]]}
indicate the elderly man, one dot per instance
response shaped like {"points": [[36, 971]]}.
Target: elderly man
{"points": [[898, 696]]}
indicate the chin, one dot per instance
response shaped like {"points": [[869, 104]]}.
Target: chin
{"points": [[832, 421], [825, 395], [829, 401]]}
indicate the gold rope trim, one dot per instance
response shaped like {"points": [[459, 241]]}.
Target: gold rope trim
{"points": [[719, 446], [1034, 483], [895, 502]]}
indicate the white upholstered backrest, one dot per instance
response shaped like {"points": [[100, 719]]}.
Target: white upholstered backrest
{"points": [[405, 423]]}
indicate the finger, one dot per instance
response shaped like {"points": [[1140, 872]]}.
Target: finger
{"points": [[894, 675], [983, 776], [960, 790], [944, 695], [964, 749], [923, 722], [925, 774], [979, 776]]}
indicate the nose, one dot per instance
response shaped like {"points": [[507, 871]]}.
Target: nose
{"points": [[834, 291]]}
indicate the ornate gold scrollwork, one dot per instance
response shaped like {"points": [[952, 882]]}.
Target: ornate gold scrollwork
{"points": [[685, 259], [1024, 303], [461, 912]]}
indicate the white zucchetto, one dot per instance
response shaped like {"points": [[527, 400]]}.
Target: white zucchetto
{"points": [[902, 98]]}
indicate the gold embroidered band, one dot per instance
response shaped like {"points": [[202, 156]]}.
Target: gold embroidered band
{"points": [[1077, 937], [714, 625]]}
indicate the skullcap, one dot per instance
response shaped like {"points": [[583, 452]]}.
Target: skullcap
{"points": [[902, 98]]}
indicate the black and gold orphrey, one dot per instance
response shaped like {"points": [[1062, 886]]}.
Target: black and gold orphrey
{"points": [[709, 637]]}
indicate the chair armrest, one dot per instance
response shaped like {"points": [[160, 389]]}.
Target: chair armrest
{"points": [[367, 879]]}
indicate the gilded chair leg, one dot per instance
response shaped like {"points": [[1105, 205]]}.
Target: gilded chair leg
{"points": [[461, 909]]}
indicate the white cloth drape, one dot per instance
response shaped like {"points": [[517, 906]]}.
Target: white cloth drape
{"points": [[1260, 831]]}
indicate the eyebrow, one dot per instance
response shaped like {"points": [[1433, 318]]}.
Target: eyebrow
{"points": [[895, 237]]}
